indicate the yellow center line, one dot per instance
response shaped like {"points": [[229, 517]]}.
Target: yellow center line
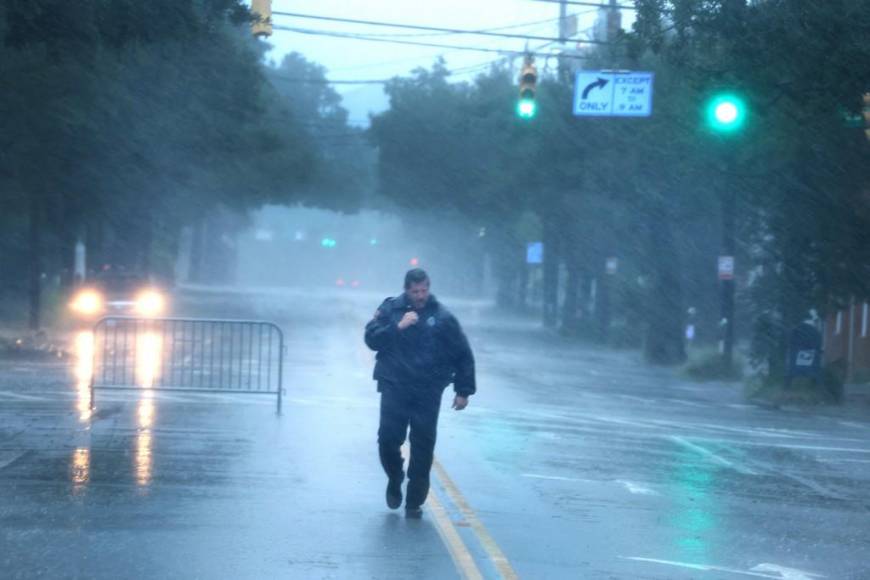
{"points": [[458, 551], [502, 565]]}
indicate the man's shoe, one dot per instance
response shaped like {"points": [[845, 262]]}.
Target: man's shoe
{"points": [[394, 494], [413, 513]]}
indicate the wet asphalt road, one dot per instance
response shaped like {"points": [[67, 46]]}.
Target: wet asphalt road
{"points": [[571, 462]]}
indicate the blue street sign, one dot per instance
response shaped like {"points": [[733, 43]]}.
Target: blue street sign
{"points": [[535, 253], [613, 94]]}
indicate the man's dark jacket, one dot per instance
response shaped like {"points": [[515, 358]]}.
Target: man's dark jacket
{"points": [[434, 352]]}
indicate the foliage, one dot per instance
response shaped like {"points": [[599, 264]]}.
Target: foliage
{"points": [[124, 121], [707, 365], [829, 390], [650, 191]]}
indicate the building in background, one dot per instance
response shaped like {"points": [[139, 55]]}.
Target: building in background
{"points": [[847, 340]]}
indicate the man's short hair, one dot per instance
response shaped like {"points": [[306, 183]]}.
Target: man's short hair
{"points": [[415, 276]]}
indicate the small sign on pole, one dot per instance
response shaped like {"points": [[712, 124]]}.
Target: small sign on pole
{"points": [[726, 267], [535, 253]]}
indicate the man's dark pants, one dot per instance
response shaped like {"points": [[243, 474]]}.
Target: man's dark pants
{"points": [[417, 407]]}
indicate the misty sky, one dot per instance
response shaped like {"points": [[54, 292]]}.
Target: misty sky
{"points": [[348, 59]]}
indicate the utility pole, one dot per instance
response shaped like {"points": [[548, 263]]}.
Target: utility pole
{"points": [[35, 274], [729, 247], [553, 246], [563, 37]]}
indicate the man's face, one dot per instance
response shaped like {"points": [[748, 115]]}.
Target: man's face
{"points": [[418, 294]]}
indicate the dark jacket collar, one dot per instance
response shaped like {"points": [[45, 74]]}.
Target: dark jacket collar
{"points": [[401, 302]]}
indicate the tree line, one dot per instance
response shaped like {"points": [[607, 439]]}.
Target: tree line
{"points": [[125, 121], [650, 192]]}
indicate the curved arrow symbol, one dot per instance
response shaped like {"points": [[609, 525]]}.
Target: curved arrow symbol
{"points": [[600, 83]]}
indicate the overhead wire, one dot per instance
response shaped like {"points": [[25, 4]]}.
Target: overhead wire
{"points": [[391, 39], [413, 59], [424, 28], [424, 44], [536, 23], [595, 4]]}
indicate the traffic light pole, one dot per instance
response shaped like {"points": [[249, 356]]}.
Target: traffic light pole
{"points": [[729, 246], [726, 113]]}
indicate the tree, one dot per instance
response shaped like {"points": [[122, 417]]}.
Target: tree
{"points": [[124, 121]]}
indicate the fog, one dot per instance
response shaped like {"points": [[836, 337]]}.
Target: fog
{"points": [[649, 222], [368, 252]]}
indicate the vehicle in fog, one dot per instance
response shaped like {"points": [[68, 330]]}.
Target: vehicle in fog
{"points": [[118, 293]]}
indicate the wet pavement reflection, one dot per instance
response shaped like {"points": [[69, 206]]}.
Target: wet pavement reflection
{"points": [[147, 372], [693, 519], [84, 370], [81, 469], [579, 464]]}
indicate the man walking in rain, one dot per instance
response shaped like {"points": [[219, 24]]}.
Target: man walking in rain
{"points": [[421, 349]]}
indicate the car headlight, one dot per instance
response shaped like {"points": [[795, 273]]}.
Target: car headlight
{"points": [[87, 302], [150, 303]]}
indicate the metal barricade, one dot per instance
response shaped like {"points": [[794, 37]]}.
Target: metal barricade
{"points": [[188, 354]]}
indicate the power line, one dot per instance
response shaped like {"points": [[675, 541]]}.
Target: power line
{"points": [[597, 5], [426, 28], [415, 43], [536, 23], [387, 40], [382, 64]]}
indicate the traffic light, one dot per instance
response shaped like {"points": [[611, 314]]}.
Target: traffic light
{"points": [[262, 12], [527, 106], [861, 120], [328, 243], [726, 113]]}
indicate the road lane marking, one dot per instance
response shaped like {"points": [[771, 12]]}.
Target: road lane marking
{"points": [[630, 486], [712, 456], [816, 487], [841, 460], [499, 560], [636, 488], [760, 571], [458, 551], [22, 397], [752, 431], [7, 462], [556, 477], [637, 399], [853, 424], [786, 573], [791, 446], [779, 471], [685, 402]]}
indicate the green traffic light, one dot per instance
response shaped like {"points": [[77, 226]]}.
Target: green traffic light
{"points": [[726, 113], [527, 108]]}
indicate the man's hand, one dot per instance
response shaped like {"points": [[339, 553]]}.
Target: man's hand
{"points": [[460, 402], [409, 319]]}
